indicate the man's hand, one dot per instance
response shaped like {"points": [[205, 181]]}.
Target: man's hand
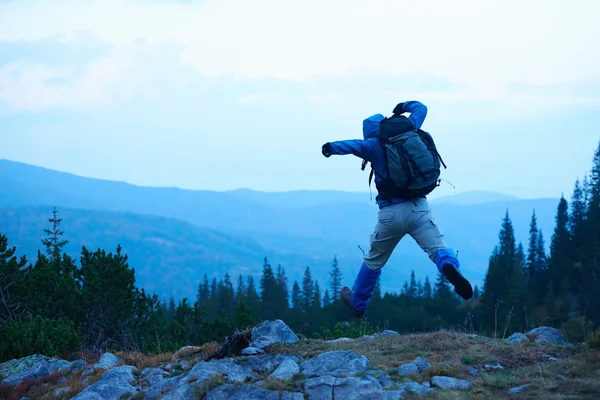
{"points": [[399, 109], [326, 149]]}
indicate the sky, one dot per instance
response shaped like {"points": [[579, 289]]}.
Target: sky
{"points": [[227, 94]]}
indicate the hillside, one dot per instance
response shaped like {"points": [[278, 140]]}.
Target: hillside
{"points": [[170, 256], [270, 361], [315, 224]]}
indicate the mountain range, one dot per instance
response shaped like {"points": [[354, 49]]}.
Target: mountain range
{"points": [[174, 236]]}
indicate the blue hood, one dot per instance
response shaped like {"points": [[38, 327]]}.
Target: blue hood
{"points": [[371, 125]]}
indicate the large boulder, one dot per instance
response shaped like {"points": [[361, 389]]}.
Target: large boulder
{"points": [[33, 367], [335, 363], [271, 332], [545, 334], [113, 384]]}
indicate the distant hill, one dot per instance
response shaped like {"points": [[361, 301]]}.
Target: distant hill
{"points": [[475, 197], [316, 225], [169, 256]]}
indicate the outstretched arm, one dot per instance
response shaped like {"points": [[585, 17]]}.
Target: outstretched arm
{"points": [[364, 149], [417, 110]]}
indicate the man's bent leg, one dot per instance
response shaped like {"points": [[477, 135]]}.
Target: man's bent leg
{"points": [[427, 234], [386, 235]]}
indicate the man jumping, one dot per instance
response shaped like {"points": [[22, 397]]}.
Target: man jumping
{"points": [[402, 210]]}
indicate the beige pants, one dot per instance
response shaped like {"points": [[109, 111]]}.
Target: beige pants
{"points": [[395, 221]]}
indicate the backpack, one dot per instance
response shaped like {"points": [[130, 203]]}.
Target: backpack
{"points": [[411, 157]]}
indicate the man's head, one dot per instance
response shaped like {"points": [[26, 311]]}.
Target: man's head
{"points": [[371, 125]]}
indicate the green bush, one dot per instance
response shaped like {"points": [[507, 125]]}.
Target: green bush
{"points": [[37, 335], [576, 328]]}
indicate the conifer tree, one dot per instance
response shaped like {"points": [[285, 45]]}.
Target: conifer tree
{"points": [[269, 293], [326, 299], [560, 247], [307, 290], [412, 289], [240, 292], [335, 279], [427, 291], [316, 301], [283, 293], [532, 250], [252, 297], [296, 297]]}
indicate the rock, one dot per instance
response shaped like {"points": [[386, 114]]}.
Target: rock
{"points": [[383, 378], [426, 384], [267, 363], [107, 361], [342, 339], [390, 333], [31, 367], [229, 369], [320, 388], [446, 382], [286, 370], [250, 351], [473, 371], [335, 363], [363, 387], [421, 364], [519, 389], [77, 365], [545, 334], [517, 338], [415, 388], [368, 337], [249, 392], [561, 377], [270, 332], [493, 367], [417, 366], [548, 357], [408, 369], [113, 384]]}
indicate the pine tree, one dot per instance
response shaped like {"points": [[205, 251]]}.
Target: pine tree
{"points": [[335, 279], [171, 309], [560, 247], [52, 243], [532, 251], [240, 293], [316, 301], [283, 293], [252, 297], [589, 285], [269, 293], [577, 218], [326, 299], [427, 291], [296, 297], [307, 290], [412, 290]]}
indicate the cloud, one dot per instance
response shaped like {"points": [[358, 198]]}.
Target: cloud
{"points": [[467, 41]]}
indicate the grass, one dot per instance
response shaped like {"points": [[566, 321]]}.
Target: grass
{"points": [[523, 364]]}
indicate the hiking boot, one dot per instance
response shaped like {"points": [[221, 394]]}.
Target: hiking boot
{"points": [[462, 287], [347, 299]]}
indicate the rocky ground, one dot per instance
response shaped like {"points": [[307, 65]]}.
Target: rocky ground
{"points": [[271, 362]]}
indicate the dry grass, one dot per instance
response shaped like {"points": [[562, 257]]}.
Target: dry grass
{"points": [[523, 364], [392, 351], [141, 361]]}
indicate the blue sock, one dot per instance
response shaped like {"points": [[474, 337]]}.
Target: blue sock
{"points": [[445, 256], [364, 287]]}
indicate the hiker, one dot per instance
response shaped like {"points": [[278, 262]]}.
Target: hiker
{"points": [[402, 209]]}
